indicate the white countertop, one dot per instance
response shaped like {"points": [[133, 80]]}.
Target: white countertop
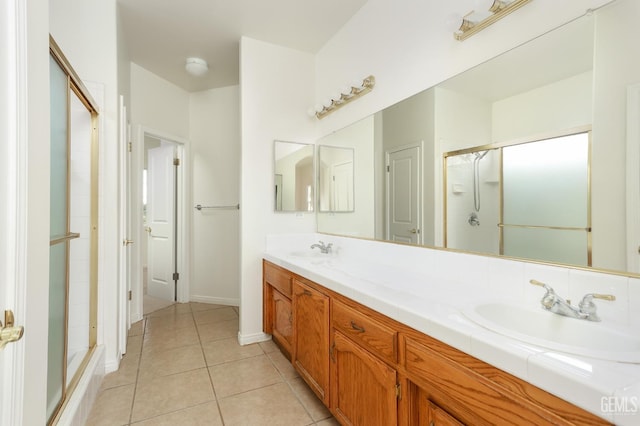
{"points": [[435, 307]]}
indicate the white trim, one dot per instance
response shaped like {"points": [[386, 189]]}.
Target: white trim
{"points": [[633, 178], [216, 300], [78, 407], [247, 339], [14, 138]]}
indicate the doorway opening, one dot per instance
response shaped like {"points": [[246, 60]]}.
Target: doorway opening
{"points": [[160, 216], [160, 220]]}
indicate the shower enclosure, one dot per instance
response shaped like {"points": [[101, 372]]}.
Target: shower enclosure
{"points": [[73, 231], [528, 200]]}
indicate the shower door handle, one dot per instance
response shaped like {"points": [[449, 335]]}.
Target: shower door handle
{"points": [[9, 333]]}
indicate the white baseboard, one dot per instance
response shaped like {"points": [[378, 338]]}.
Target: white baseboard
{"points": [[247, 339], [215, 300], [78, 407]]}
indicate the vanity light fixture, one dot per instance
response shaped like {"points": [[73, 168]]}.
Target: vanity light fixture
{"points": [[477, 20], [196, 66], [346, 95]]}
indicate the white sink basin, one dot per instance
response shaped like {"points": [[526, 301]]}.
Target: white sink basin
{"points": [[313, 256], [556, 332]]}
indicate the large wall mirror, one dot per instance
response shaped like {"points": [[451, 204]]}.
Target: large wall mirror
{"points": [[576, 79], [294, 189]]}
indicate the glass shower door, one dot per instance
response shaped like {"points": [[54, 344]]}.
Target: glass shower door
{"points": [[546, 201], [73, 233], [58, 240]]}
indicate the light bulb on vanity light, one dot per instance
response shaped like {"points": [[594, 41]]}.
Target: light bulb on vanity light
{"points": [[482, 5], [346, 91]]}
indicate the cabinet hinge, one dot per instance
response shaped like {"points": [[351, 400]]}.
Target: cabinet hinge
{"points": [[176, 161], [176, 276], [130, 295], [398, 391]]}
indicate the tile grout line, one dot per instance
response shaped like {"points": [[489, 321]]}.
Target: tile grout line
{"points": [[297, 396], [135, 387], [206, 365]]}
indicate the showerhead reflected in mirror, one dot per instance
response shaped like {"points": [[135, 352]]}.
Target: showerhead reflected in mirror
{"points": [[294, 189], [335, 179]]}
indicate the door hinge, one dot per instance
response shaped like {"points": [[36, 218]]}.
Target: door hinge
{"points": [[398, 391], [176, 276], [130, 294], [176, 161], [388, 169], [129, 146]]}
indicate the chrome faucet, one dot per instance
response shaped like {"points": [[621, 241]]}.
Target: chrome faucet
{"points": [[323, 248], [586, 308]]}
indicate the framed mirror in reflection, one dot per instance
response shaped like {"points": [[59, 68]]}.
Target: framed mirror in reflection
{"points": [[294, 189], [547, 87], [335, 179]]}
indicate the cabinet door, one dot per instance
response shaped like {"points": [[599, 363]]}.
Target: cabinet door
{"points": [[363, 388], [432, 415], [311, 349], [282, 320]]}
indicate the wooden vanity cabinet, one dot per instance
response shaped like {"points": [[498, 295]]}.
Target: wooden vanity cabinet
{"points": [[372, 370], [363, 388], [277, 309], [455, 388], [310, 353]]}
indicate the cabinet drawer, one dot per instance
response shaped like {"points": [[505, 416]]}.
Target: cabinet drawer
{"points": [[278, 279], [372, 334]]}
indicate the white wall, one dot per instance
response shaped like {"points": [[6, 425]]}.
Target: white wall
{"points": [[276, 91], [614, 70], [82, 29], [408, 123], [552, 108], [360, 222], [214, 127], [158, 104]]}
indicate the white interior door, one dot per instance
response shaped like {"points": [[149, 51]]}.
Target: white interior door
{"points": [[160, 220], [403, 195], [343, 187], [24, 256]]}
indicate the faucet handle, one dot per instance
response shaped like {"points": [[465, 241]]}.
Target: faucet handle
{"points": [[549, 299], [541, 284], [609, 297], [589, 308]]}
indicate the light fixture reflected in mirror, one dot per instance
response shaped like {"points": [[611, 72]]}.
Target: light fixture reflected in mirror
{"points": [[486, 12], [196, 66]]}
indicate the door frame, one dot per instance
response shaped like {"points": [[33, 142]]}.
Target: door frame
{"points": [[184, 217], [633, 178], [420, 202]]}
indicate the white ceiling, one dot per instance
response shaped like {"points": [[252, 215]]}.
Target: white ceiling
{"points": [[559, 54], [161, 34]]}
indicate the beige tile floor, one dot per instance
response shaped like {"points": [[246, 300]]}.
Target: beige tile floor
{"points": [[184, 366]]}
